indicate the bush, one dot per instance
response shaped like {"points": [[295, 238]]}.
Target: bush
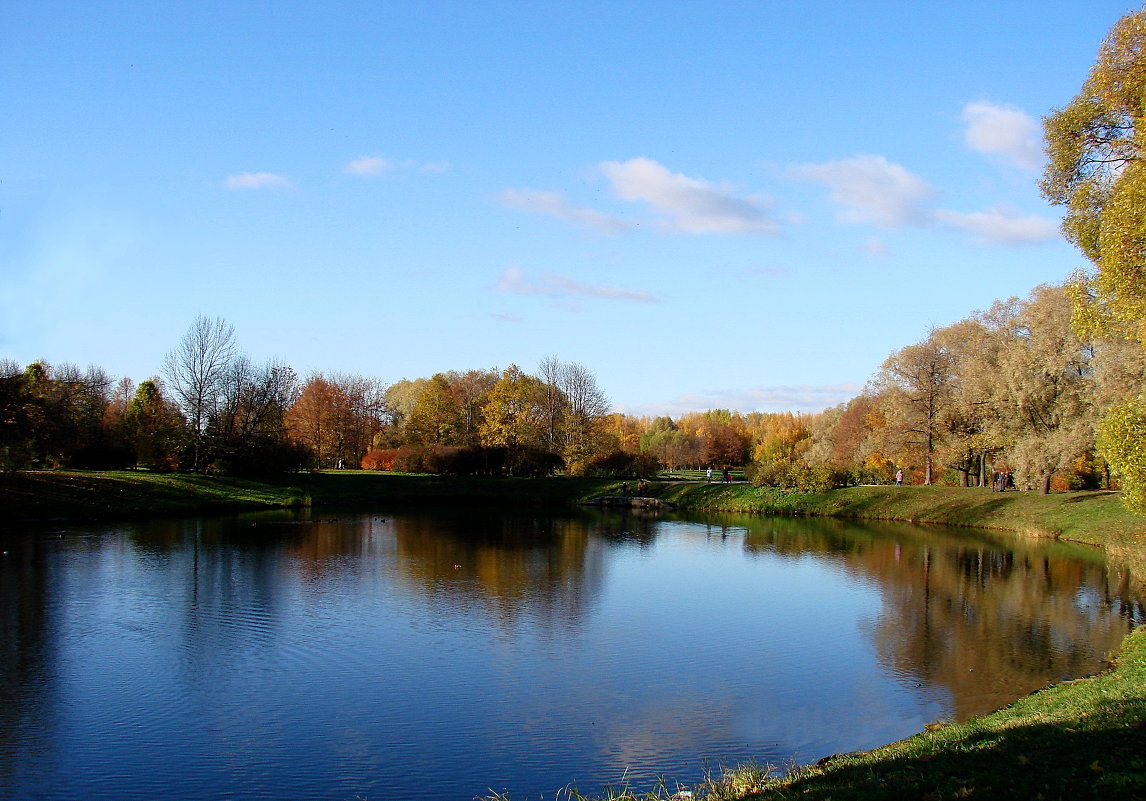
{"points": [[799, 477], [379, 459], [620, 464]]}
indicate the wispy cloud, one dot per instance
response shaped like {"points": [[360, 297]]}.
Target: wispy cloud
{"points": [[559, 286], [1004, 131], [689, 205], [374, 166], [555, 204], [257, 180], [367, 166], [764, 399], [876, 248], [999, 226], [871, 189]]}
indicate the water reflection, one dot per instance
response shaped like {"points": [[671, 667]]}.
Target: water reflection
{"points": [[437, 655], [986, 619]]}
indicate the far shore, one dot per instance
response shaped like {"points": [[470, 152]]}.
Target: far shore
{"points": [[1093, 517]]}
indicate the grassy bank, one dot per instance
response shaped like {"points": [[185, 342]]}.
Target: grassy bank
{"points": [[1093, 518], [81, 495]]}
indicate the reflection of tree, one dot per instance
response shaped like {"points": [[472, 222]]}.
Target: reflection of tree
{"points": [[23, 653], [986, 621], [515, 565]]}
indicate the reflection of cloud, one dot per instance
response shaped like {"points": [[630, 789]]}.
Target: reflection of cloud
{"points": [[1004, 131], [559, 286], [871, 189], [257, 180], [692, 206], [1001, 226], [555, 205], [765, 399]]}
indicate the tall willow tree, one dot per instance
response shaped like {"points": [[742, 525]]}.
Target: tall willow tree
{"points": [[1095, 146]]}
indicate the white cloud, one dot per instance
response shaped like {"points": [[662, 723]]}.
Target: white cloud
{"points": [[367, 166], [871, 189], [1004, 131], [555, 205], [257, 180], [559, 286], [690, 205], [999, 226]]}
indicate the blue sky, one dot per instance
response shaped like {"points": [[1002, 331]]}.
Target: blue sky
{"points": [[742, 205]]}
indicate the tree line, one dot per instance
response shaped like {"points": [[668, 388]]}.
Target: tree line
{"points": [[1014, 389]]}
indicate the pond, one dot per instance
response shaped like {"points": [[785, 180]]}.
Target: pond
{"points": [[446, 655]]}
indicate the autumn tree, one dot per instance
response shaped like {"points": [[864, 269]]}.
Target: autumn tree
{"points": [[1046, 398], [437, 417], [915, 385], [672, 446], [573, 408], [247, 432], [513, 417], [470, 390], [1094, 147], [336, 417]]}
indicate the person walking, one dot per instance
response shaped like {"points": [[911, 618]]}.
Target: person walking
{"points": [[899, 477]]}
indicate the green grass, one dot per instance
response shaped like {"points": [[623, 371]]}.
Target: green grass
{"points": [[52, 495]]}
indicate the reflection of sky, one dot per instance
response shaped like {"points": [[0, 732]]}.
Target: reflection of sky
{"points": [[340, 660]]}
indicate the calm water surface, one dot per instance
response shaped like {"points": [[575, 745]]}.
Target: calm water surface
{"points": [[441, 656]]}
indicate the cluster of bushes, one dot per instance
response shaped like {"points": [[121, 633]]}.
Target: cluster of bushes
{"points": [[452, 460], [815, 478], [622, 464], [481, 460]]}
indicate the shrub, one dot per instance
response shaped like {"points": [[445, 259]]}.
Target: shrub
{"points": [[621, 464], [379, 459], [799, 477]]}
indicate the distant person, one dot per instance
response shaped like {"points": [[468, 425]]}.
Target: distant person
{"points": [[727, 476], [899, 477], [624, 489], [709, 475]]}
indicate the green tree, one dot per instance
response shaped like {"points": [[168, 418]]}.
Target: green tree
{"points": [[153, 427]]}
